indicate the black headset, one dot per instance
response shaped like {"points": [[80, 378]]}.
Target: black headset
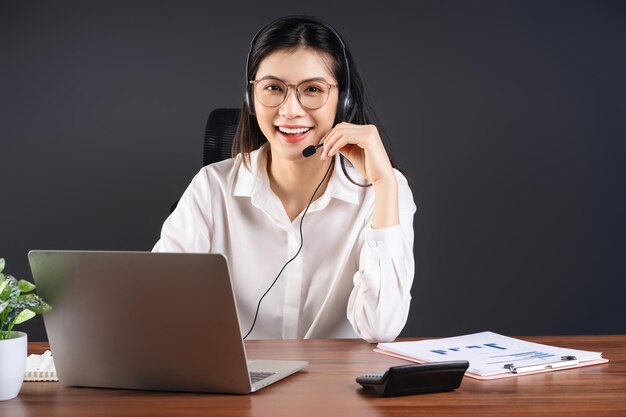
{"points": [[346, 107]]}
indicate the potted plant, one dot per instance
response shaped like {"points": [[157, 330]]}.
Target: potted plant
{"points": [[16, 306]]}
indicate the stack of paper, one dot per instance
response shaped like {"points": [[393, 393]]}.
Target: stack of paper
{"points": [[40, 368], [492, 355]]}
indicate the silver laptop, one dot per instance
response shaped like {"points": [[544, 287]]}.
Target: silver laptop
{"points": [[143, 320]]}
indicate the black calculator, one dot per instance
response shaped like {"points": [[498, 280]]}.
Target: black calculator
{"points": [[416, 378]]}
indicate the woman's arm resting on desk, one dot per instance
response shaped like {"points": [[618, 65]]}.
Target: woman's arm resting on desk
{"points": [[379, 303]]}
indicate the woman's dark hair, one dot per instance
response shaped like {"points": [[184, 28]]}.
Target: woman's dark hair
{"points": [[289, 34]]}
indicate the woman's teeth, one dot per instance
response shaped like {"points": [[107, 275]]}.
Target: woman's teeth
{"points": [[294, 131]]}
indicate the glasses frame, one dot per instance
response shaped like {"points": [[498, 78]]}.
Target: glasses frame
{"points": [[295, 88]]}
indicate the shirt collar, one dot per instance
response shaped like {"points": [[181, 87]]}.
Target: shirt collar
{"points": [[245, 178], [254, 182]]}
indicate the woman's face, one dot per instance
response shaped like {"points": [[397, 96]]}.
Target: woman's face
{"points": [[293, 67]]}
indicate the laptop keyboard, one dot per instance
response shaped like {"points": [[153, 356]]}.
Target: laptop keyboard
{"points": [[257, 376]]}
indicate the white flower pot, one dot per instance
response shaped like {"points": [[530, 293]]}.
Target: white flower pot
{"points": [[13, 353]]}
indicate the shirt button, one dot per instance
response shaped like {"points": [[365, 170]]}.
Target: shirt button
{"points": [[373, 243]]}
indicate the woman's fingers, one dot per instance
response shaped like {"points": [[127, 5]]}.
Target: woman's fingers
{"points": [[362, 145], [342, 135]]}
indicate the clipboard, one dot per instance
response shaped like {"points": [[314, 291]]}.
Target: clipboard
{"points": [[493, 356]]}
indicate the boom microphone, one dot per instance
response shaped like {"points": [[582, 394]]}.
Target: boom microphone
{"points": [[310, 150]]}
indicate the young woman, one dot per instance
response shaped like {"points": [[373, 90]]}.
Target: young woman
{"points": [[347, 269]]}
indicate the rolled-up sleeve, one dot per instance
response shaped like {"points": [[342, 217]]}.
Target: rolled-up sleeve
{"points": [[187, 229], [379, 302]]}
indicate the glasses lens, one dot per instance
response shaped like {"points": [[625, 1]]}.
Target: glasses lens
{"points": [[270, 92], [313, 95]]}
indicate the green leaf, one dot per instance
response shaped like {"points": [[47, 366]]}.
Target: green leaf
{"points": [[2, 307], [27, 301], [42, 308], [5, 290], [25, 286], [2, 264], [24, 316], [28, 297], [32, 302]]}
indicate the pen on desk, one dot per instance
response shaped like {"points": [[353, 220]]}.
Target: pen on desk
{"points": [[561, 363], [43, 361]]}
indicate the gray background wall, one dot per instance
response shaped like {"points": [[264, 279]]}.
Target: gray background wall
{"points": [[508, 117]]}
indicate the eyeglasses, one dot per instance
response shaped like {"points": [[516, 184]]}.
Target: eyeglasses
{"points": [[310, 94]]}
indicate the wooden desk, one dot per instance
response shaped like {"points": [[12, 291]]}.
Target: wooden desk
{"points": [[327, 388]]}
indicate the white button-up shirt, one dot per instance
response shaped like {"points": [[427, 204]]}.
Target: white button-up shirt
{"points": [[348, 280]]}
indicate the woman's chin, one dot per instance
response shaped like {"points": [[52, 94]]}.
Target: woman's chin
{"points": [[290, 152]]}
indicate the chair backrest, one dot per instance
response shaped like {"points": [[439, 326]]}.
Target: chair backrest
{"points": [[218, 137], [219, 134]]}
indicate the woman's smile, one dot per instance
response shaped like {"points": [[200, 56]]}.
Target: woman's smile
{"points": [[293, 134]]}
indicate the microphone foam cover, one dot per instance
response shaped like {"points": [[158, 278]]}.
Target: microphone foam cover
{"points": [[309, 150]]}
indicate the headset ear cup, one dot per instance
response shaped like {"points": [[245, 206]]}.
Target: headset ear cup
{"points": [[249, 101], [342, 108], [346, 109], [350, 109]]}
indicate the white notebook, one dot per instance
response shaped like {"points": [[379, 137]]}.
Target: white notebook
{"points": [[40, 368]]}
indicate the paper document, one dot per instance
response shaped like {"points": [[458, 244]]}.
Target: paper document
{"points": [[492, 355]]}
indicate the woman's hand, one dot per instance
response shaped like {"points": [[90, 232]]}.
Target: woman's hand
{"points": [[362, 145]]}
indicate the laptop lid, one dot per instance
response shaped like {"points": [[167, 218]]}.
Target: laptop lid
{"points": [[143, 320]]}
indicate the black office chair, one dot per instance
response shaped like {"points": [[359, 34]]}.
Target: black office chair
{"points": [[219, 134], [218, 137]]}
